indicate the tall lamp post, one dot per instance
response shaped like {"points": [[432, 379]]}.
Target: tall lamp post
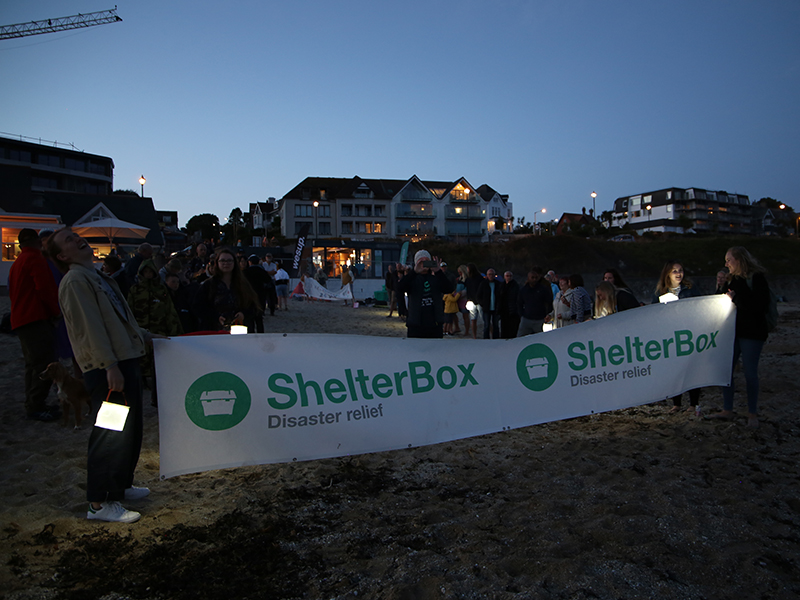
{"points": [[649, 208], [316, 215], [594, 210], [142, 181], [535, 229]]}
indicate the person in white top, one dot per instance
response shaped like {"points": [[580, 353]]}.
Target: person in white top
{"points": [[282, 287]]}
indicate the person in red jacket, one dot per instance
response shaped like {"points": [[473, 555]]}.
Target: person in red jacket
{"points": [[34, 310]]}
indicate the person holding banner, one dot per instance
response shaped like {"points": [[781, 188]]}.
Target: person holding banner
{"points": [[605, 300], [225, 298], [533, 303], [748, 288], [425, 286], [108, 344], [673, 285]]}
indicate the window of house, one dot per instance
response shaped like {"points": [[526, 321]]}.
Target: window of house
{"points": [[74, 165], [324, 210], [303, 210], [363, 210], [20, 155], [362, 192], [347, 227], [324, 229], [44, 182], [379, 211], [347, 210], [378, 227], [48, 160], [97, 168], [298, 225]]}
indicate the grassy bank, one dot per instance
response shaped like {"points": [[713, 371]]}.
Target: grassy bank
{"points": [[701, 256]]}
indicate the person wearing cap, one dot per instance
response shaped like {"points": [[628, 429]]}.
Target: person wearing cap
{"points": [[425, 286], [34, 311]]}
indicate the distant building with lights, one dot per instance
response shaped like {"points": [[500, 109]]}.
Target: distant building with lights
{"points": [[680, 210], [410, 209], [49, 186]]}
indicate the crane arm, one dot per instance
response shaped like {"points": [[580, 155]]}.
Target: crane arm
{"points": [[61, 24]]}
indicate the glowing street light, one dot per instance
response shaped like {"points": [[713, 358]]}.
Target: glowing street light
{"points": [[535, 229], [594, 211], [142, 181]]}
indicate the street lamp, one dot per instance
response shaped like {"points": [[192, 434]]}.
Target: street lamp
{"points": [[142, 181], [316, 214], [594, 211], [535, 230], [649, 208]]}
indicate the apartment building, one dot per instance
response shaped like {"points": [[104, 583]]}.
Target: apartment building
{"points": [[413, 209], [682, 209]]}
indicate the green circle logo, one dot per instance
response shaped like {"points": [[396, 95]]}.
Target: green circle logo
{"points": [[537, 367], [217, 401]]}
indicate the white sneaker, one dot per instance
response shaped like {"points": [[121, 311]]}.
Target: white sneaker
{"points": [[136, 493], [113, 512]]}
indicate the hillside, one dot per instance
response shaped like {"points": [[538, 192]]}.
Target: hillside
{"points": [[701, 256]]}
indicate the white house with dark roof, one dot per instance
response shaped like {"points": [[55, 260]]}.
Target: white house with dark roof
{"points": [[370, 209], [684, 209]]}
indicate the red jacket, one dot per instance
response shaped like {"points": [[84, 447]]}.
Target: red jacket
{"points": [[32, 289]]}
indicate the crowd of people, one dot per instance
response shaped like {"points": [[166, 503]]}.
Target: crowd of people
{"points": [[103, 321], [430, 299]]}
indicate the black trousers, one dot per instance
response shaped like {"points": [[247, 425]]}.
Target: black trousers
{"points": [[113, 455], [38, 341]]}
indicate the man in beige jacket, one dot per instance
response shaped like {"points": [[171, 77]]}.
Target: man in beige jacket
{"points": [[108, 344]]}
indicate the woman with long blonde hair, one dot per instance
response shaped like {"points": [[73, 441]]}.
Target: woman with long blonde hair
{"points": [[748, 288], [605, 300]]}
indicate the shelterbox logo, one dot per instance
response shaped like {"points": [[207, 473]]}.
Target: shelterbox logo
{"points": [[537, 367], [217, 401]]}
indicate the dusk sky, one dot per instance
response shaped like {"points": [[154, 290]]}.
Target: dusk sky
{"points": [[220, 104]]}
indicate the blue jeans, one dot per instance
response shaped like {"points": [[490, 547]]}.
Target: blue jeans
{"points": [[750, 351], [491, 324]]}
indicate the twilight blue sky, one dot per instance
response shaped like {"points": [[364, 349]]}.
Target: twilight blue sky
{"points": [[220, 104]]}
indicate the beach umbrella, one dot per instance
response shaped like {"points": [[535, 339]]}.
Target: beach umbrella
{"points": [[111, 229]]}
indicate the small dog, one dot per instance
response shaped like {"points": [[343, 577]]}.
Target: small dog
{"points": [[71, 391]]}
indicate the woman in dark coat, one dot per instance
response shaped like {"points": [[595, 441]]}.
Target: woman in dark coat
{"points": [[748, 288]]}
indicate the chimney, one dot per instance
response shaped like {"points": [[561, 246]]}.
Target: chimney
{"points": [[583, 210]]}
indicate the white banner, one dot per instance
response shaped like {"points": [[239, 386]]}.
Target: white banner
{"points": [[314, 290], [229, 401]]}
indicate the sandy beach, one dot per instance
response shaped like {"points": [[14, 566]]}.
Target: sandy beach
{"points": [[638, 503]]}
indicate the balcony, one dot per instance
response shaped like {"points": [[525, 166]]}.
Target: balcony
{"points": [[463, 212], [414, 211], [422, 228]]}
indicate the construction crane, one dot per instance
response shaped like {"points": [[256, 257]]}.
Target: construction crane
{"points": [[62, 24]]}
